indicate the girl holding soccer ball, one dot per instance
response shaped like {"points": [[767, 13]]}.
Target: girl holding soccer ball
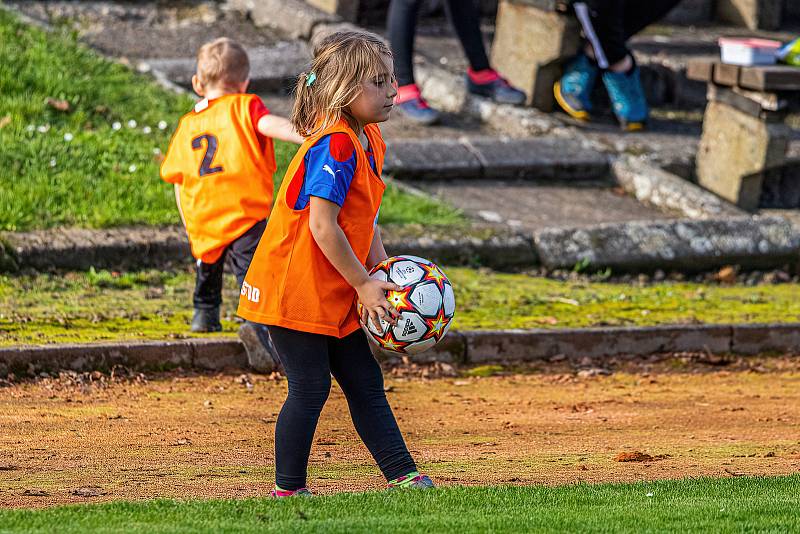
{"points": [[309, 266]]}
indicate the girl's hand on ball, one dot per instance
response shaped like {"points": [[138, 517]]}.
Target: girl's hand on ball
{"points": [[372, 296]]}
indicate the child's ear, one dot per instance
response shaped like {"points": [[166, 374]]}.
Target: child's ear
{"points": [[197, 86]]}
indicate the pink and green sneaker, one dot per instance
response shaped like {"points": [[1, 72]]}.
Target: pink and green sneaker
{"points": [[412, 480], [278, 492]]}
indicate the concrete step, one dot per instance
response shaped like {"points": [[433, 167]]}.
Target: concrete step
{"points": [[272, 68], [495, 158], [535, 205]]}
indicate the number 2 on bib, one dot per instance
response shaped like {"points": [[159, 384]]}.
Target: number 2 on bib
{"points": [[211, 151]]}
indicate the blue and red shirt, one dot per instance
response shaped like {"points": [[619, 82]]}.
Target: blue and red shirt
{"points": [[328, 168]]}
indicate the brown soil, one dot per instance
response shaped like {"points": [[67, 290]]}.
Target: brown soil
{"points": [[93, 438]]}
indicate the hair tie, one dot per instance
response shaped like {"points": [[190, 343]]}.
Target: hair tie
{"points": [[311, 77]]}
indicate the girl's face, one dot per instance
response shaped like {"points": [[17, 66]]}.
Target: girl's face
{"points": [[377, 96]]}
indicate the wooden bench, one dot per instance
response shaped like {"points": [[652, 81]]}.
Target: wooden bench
{"points": [[744, 134]]}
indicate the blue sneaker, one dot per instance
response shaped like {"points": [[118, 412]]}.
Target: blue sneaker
{"points": [[627, 98], [573, 91], [411, 104]]}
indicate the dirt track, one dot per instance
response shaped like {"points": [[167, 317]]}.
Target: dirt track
{"points": [[89, 440]]}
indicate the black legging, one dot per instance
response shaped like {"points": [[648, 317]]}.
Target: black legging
{"points": [[309, 360], [616, 21], [402, 25]]}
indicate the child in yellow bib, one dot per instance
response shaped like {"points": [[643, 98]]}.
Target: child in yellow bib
{"points": [[311, 267]]}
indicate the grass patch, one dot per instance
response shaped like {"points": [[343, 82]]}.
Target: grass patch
{"points": [[81, 140], [700, 505], [484, 370], [106, 306]]}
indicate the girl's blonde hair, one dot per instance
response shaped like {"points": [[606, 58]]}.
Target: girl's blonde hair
{"points": [[341, 62]]}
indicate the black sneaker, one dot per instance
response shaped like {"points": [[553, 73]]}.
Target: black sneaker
{"points": [[206, 320], [487, 83], [261, 353]]}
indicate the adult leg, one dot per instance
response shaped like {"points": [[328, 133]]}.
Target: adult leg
{"points": [[465, 17], [361, 380], [639, 15], [609, 24], [401, 25], [305, 358]]}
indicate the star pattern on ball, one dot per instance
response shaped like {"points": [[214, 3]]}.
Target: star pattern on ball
{"points": [[434, 274], [400, 299], [389, 343], [437, 325], [385, 265]]}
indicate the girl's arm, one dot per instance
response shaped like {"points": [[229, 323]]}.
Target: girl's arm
{"points": [[331, 240], [279, 128], [376, 251]]}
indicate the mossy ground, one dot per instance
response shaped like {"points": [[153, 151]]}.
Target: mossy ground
{"points": [[101, 306]]}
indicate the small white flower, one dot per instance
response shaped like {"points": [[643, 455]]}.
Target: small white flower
{"points": [[43, 128], [52, 162], [116, 126], [30, 128], [131, 123], [156, 151], [649, 493], [132, 168], [162, 125], [146, 130], [68, 137]]}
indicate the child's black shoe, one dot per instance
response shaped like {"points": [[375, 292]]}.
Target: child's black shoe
{"points": [[206, 320], [261, 353]]}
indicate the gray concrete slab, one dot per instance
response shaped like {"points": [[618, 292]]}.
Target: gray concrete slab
{"points": [[656, 187], [148, 28], [683, 245], [273, 68], [534, 206], [446, 158], [545, 159], [532, 345], [471, 347]]}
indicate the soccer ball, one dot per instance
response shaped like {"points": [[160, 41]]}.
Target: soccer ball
{"points": [[426, 305]]}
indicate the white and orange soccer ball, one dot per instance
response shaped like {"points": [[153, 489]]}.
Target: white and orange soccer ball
{"points": [[426, 305]]}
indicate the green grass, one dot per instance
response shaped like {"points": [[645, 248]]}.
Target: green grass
{"points": [[700, 505], [98, 306], [101, 177]]}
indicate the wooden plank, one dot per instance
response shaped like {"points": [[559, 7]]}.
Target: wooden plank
{"points": [[777, 78], [545, 5], [734, 100], [700, 70], [725, 74]]}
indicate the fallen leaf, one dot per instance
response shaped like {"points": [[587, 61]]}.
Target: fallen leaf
{"points": [[633, 457], [726, 275], [60, 105], [5, 121], [89, 491]]}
